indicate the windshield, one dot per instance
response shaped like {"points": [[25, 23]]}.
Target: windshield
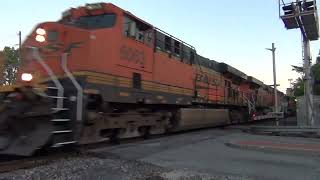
{"points": [[95, 22]]}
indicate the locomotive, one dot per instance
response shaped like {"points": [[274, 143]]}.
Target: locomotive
{"points": [[101, 74]]}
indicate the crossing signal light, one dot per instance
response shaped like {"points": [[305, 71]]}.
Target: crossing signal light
{"points": [[308, 5], [288, 9]]}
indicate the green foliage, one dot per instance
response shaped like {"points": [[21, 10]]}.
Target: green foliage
{"points": [[298, 87], [10, 65], [316, 90], [298, 69], [316, 71], [316, 75]]}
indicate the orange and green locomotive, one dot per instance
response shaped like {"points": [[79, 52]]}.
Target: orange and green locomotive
{"points": [[100, 73]]}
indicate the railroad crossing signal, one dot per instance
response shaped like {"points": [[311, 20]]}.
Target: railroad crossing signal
{"points": [[303, 14]]}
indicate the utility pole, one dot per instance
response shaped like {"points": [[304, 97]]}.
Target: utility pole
{"points": [[273, 50], [19, 34], [290, 82]]}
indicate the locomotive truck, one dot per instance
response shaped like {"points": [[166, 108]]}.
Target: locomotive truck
{"points": [[101, 74]]}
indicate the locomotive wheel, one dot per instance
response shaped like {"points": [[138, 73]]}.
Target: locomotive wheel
{"points": [[114, 138], [145, 131]]}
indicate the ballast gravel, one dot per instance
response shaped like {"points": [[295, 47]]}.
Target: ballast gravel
{"points": [[97, 168]]}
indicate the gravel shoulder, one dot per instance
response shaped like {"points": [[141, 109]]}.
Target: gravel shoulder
{"points": [[109, 168]]}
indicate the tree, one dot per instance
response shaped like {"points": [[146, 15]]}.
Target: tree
{"points": [[298, 85], [316, 71], [298, 69], [316, 74], [10, 65], [1, 68]]}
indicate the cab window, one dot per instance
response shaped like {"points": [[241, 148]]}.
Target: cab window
{"points": [[95, 22], [137, 30]]}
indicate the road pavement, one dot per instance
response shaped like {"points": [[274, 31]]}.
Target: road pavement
{"points": [[209, 151]]}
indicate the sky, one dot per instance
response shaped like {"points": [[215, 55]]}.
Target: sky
{"points": [[234, 32]]}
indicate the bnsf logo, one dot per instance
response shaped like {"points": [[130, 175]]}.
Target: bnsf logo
{"points": [[132, 55]]}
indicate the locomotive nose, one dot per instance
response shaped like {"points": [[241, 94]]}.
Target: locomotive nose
{"points": [[22, 131]]}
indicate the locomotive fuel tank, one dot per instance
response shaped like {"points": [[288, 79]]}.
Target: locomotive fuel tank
{"points": [[190, 118]]}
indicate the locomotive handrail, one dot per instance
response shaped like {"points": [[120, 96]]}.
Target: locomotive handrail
{"points": [[183, 54], [251, 105], [76, 85], [53, 77], [182, 51], [175, 38]]}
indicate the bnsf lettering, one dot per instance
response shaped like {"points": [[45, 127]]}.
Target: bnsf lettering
{"points": [[132, 55]]}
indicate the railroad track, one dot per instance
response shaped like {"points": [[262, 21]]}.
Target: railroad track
{"points": [[13, 165], [35, 161], [8, 164]]}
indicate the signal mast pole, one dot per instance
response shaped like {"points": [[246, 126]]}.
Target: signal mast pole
{"points": [[308, 83]]}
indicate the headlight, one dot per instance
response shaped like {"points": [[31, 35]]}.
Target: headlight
{"points": [[41, 31], [40, 38], [26, 77], [40, 35]]}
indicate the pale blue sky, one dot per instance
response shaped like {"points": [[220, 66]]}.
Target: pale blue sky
{"points": [[235, 32]]}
